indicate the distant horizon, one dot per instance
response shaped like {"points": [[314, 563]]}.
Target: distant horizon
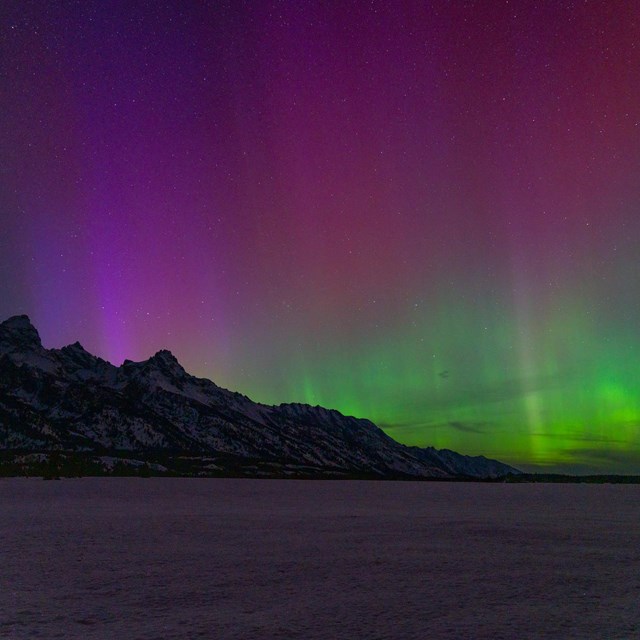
{"points": [[425, 214]]}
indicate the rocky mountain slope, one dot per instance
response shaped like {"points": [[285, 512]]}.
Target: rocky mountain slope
{"points": [[71, 407]]}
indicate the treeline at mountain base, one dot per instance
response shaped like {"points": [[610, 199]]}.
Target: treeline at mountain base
{"points": [[73, 464]]}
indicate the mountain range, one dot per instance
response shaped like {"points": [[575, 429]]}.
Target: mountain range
{"points": [[66, 410]]}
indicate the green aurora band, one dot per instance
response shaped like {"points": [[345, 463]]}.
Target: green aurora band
{"points": [[554, 391]]}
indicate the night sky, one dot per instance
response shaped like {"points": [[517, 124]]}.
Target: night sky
{"points": [[423, 213]]}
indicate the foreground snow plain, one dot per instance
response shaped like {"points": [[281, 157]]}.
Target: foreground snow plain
{"points": [[223, 558]]}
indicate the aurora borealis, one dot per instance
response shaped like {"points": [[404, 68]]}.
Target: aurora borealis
{"points": [[423, 213]]}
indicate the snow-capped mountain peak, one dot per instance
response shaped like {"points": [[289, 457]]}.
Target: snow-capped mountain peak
{"points": [[19, 333]]}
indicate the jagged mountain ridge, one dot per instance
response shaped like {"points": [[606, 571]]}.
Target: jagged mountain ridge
{"points": [[68, 399]]}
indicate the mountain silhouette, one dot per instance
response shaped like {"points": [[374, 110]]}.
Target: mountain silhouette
{"points": [[68, 407]]}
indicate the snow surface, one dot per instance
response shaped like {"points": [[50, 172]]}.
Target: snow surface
{"points": [[105, 558]]}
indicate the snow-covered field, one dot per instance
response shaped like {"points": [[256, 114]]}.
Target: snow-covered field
{"points": [[178, 558]]}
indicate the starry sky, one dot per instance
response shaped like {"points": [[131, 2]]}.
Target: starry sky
{"points": [[423, 213]]}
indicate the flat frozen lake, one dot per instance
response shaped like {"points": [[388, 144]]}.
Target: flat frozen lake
{"points": [[179, 558]]}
